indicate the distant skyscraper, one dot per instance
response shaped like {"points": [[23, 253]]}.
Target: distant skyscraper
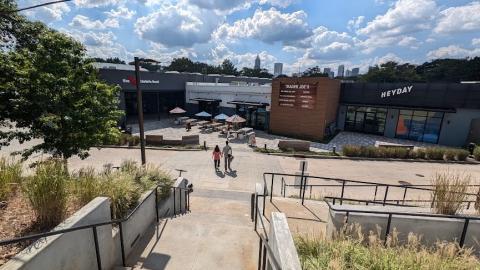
{"points": [[355, 72], [257, 62], [326, 71], [331, 74], [341, 71], [348, 73], [277, 69]]}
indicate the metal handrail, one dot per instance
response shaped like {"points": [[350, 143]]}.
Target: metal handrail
{"points": [[263, 241], [344, 185], [111, 222], [391, 213]]}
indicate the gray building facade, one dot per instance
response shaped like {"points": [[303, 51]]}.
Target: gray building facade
{"points": [[439, 113]]}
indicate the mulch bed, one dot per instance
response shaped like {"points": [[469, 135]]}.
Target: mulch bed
{"points": [[17, 219]]}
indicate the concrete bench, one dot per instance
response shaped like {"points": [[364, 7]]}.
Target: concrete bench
{"points": [[154, 139], [409, 147], [295, 145], [191, 139]]}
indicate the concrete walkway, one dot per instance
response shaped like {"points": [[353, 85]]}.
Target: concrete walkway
{"points": [[216, 234]]}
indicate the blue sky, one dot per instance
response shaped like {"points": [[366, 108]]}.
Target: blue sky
{"points": [[298, 33]]}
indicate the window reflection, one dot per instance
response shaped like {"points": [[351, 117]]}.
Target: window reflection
{"points": [[419, 125]]}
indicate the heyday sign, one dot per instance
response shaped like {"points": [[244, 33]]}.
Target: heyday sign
{"points": [[396, 92]]}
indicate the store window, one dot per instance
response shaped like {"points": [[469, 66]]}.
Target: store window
{"points": [[419, 126], [366, 119]]}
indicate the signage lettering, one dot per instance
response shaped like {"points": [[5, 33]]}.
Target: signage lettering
{"points": [[132, 81], [396, 92], [297, 95]]}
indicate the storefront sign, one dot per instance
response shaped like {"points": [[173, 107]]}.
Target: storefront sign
{"points": [[133, 81], [396, 92], [297, 95]]}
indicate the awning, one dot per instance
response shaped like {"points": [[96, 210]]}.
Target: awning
{"points": [[206, 100], [248, 103], [449, 110]]}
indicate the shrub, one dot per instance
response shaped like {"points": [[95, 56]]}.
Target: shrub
{"points": [[449, 192], [86, 185], [47, 192], [122, 191], [461, 154], [133, 140], [420, 153], [397, 152], [351, 150], [435, 153], [477, 202], [10, 174], [351, 253], [450, 154], [476, 153]]}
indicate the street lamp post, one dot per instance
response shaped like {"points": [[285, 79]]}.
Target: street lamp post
{"points": [[140, 110]]}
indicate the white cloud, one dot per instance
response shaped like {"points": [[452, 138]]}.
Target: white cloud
{"points": [[178, 25], [121, 13], [81, 21], [224, 5], [95, 3], [355, 23], [430, 40], [329, 45], [389, 57], [45, 14], [453, 51], [408, 41], [402, 19], [278, 3], [268, 26], [476, 42], [459, 19], [92, 38]]}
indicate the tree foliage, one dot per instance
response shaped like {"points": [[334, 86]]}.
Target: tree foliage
{"points": [[184, 64], [315, 71], [114, 60], [440, 70], [49, 91]]}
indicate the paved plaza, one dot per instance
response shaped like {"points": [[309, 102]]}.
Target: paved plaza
{"points": [[169, 130]]}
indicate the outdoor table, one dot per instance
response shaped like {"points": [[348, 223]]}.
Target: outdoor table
{"points": [[203, 123]]}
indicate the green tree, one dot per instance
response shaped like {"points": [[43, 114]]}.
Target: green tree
{"points": [[228, 68], [392, 72], [250, 72], [314, 72], [182, 64], [114, 60], [49, 91]]}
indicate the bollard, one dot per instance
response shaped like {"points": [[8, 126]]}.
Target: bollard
{"points": [[265, 146], [205, 145], [334, 149]]}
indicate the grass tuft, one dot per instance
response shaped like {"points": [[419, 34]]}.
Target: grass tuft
{"points": [[449, 192], [10, 174]]}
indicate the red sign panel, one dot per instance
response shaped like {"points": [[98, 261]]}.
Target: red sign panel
{"points": [[297, 96]]}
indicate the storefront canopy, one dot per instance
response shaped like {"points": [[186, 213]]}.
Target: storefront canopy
{"points": [[248, 103], [206, 100]]}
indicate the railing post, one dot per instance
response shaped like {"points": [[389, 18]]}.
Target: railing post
{"points": [[281, 190], [343, 191], [433, 200], [284, 189], [256, 212], [122, 245], [464, 232], [310, 192], [97, 250], [386, 194], [264, 200], [387, 231], [375, 196], [174, 201], [264, 261], [252, 205], [156, 203], [180, 200], [260, 246], [271, 188]]}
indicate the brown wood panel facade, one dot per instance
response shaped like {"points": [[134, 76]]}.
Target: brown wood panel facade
{"points": [[288, 117]]}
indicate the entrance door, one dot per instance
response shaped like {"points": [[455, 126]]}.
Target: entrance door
{"points": [[359, 121], [474, 134]]}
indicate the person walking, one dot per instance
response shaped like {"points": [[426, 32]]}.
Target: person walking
{"points": [[228, 156], [217, 155]]}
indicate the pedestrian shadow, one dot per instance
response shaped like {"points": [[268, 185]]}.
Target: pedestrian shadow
{"points": [[232, 173], [219, 173]]}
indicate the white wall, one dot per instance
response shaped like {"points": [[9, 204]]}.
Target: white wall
{"points": [[227, 93]]}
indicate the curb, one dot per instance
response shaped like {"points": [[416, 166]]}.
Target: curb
{"points": [[150, 148], [468, 162]]}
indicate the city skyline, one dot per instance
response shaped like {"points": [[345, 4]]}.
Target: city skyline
{"points": [[300, 34]]}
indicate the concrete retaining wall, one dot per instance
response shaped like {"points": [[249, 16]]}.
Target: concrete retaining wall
{"points": [[75, 250], [295, 145], [431, 229], [281, 243]]}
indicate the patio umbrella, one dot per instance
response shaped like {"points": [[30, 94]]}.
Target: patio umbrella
{"points": [[221, 117], [235, 119], [178, 110], [203, 114]]}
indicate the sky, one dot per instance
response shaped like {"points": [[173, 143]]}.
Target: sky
{"points": [[298, 33]]}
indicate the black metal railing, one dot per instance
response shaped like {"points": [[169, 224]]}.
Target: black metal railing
{"points": [[347, 183], [117, 222], [264, 249], [390, 214]]}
